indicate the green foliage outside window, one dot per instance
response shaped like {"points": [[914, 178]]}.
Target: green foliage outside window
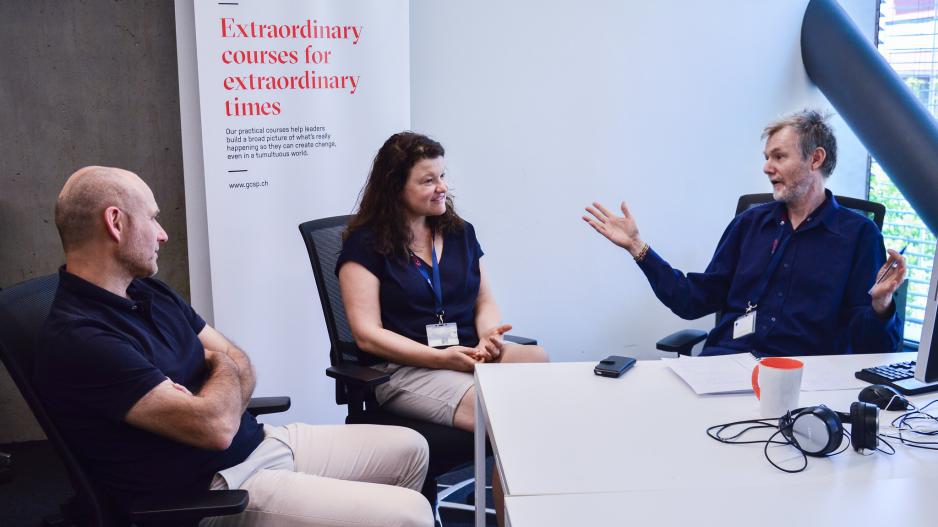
{"points": [[908, 39], [903, 227]]}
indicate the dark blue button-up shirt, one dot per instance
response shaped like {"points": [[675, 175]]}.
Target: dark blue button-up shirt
{"points": [[816, 301]]}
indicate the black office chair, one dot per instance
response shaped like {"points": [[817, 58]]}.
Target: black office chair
{"points": [[683, 341], [354, 379], [23, 311], [6, 462]]}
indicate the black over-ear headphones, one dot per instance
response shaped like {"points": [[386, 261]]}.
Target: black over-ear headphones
{"points": [[819, 431]]}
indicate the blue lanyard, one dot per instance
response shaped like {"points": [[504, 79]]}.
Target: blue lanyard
{"points": [[778, 250], [433, 283]]}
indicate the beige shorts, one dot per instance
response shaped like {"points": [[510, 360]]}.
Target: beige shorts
{"points": [[423, 393]]}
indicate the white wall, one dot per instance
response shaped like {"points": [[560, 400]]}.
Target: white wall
{"points": [[544, 107]]}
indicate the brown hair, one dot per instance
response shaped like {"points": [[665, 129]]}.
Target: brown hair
{"points": [[380, 204]]}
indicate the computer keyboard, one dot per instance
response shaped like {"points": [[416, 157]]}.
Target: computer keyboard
{"points": [[899, 375], [887, 373]]}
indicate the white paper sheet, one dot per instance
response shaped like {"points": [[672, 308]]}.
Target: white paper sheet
{"points": [[733, 373], [715, 375], [821, 374]]}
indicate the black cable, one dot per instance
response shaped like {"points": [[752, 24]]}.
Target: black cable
{"points": [[844, 445], [804, 457], [916, 415], [887, 443], [716, 433], [759, 424], [903, 424], [911, 443]]}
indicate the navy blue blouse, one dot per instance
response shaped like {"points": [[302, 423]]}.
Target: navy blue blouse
{"points": [[815, 303], [407, 302]]}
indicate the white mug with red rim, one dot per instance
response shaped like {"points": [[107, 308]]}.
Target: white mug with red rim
{"points": [[777, 383]]}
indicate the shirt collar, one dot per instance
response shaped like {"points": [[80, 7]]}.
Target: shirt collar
{"points": [[825, 214], [82, 287]]}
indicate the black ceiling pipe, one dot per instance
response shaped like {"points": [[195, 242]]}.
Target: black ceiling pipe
{"points": [[884, 114]]}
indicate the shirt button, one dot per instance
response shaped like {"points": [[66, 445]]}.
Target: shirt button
{"points": [[773, 319], [133, 307]]}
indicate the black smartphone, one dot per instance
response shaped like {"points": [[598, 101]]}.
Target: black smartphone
{"points": [[613, 366]]}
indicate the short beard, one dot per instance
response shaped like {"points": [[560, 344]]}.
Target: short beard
{"points": [[132, 266], [793, 194]]}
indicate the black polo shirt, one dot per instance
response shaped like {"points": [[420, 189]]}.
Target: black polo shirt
{"points": [[98, 355]]}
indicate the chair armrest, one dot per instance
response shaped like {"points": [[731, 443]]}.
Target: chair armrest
{"points": [[357, 376], [524, 341], [681, 342], [189, 507], [268, 405]]}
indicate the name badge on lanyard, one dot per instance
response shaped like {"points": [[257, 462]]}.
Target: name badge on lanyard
{"points": [[441, 333], [746, 324]]}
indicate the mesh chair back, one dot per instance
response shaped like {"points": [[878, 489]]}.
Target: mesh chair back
{"points": [[24, 308], [323, 239], [870, 209]]}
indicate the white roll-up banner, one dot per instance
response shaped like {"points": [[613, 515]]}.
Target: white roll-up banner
{"points": [[295, 99]]}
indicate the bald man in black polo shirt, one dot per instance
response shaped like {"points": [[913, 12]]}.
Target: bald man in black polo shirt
{"points": [[152, 399]]}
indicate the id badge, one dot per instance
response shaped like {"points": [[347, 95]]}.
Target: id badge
{"points": [[442, 335], [744, 325]]}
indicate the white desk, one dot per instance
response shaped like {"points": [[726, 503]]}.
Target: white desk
{"points": [[558, 429], [901, 502]]}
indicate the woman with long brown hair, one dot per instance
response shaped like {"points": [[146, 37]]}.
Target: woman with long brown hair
{"points": [[415, 291]]}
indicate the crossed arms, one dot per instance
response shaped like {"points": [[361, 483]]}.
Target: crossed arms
{"points": [[210, 418]]}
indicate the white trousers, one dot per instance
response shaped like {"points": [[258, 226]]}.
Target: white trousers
{"points": [[343, 475]]}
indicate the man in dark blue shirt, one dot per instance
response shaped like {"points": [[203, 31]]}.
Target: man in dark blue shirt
{"points": [[798, 276], [152, 399]]}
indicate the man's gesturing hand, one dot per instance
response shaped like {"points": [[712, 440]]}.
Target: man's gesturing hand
{"points": [[620, 230]]}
